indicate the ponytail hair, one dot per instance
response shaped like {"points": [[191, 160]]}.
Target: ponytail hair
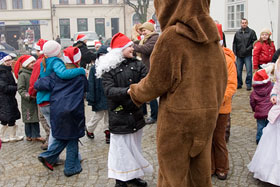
{"points": [[44, 63]]}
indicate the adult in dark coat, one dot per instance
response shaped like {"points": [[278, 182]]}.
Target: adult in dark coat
{"points": [[9, 111], [145, 48], [242, 47], [87, 55]]}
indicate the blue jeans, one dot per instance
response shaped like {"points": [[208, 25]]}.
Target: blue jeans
{"points": [[154, 108], [45, 110], [32, 130], [261, 123], [248, 64], [72, 163]]}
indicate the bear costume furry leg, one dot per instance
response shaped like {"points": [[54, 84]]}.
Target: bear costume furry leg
{"points": [[188, 71]]}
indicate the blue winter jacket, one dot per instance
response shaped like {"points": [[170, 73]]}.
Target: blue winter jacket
{"points": [[95, 96], [67, 112], [55, 64]]}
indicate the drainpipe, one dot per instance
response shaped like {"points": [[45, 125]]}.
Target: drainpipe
{"points": [[52, 19], [124, 17]]}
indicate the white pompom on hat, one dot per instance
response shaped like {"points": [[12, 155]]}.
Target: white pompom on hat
{"points": [[72, 55], [51, 48]]}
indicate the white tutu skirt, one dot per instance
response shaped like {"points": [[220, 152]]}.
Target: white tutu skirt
{"points": [[266, 161], [125, 161]]}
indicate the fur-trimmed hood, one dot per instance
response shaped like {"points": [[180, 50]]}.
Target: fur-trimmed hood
{"points": [[191, 19]]}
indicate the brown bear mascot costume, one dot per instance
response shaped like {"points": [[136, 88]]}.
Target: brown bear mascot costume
{"points": [[188, 72]]}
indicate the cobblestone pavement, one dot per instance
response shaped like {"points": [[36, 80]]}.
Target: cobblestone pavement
{"points": [[19, 165]]}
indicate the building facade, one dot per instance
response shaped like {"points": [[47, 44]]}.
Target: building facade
{"points": [[34, 19], [260, 14]]}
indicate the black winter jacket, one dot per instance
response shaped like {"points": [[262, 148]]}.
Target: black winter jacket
{"points": [[8, 88], [124, 116], [95, 95], [87, 55], [243, 42]]}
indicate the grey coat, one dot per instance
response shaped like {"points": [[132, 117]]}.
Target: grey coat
{"points": [[29, 108]]}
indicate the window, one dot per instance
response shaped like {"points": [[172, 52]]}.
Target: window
{"points": [[64, 27], [135, 19], [97, 1], [63, 2], [82, 24], [80, 2], [100, 26], [235, 12], [37, 4], [3, 4], [113, 1], [17, 4]]}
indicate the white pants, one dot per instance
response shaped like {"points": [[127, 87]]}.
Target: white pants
{"points": [[96, 118], [125, 160]]}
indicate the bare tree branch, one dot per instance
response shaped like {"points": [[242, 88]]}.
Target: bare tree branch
{"points": [[141, 8]]}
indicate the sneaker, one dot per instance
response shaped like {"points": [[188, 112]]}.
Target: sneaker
{"points": [[239, 87], [150, 120], [107, 136], [45, 163], [28, 138], [138, 182], [249, 89], [120, 183], [90, 135]]}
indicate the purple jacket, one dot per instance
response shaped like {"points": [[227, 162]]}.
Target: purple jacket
{"points": [[260, 100]]}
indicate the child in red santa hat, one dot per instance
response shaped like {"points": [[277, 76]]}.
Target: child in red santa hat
{"points": [[67, 114], [119, 69], [29, 109]]}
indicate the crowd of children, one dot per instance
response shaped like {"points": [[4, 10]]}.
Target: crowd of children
{"points": [[53, 89]]}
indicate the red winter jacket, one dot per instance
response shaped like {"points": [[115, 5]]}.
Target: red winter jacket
{"points": [[34, 76], [263, 53]]}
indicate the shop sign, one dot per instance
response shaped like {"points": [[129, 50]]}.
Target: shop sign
{"points": [[2, 23]]}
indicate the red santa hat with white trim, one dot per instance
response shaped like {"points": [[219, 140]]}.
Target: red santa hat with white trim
{"points": [[39, 45], [81, 37], [120, 41], [261, 77], [72, 55], [97, 43], [114, 57], [23, 61]]}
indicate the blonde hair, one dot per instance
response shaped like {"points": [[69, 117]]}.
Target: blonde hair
{"points": [[134, 32]]}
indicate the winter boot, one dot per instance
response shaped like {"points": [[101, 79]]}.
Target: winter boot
{"points": [[13, 136], [2, 134], [107, 136]]}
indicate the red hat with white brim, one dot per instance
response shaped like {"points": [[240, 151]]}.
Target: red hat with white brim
{"points": [[72, 55]]}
